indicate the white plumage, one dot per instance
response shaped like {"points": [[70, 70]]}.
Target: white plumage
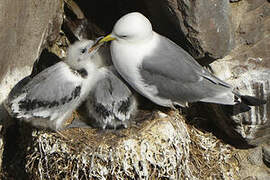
{"points": [[49, 98], [162, 71]]}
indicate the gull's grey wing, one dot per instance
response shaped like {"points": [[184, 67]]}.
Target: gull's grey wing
{"points": [[49, 93], [179, 77], [111, 103], [177, 64]]}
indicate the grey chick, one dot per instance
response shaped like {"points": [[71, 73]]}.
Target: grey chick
{"points": [[48, 99], [111, 103]]}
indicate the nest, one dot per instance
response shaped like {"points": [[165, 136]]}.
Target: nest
{"points": [[211, 158], [153, 148]]}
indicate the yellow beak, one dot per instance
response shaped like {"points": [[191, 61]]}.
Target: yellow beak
{"points": [[103, 40], [107, 39]]}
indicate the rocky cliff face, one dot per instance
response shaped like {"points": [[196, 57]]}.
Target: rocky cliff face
{"points": [[205, 26], [230, 37], [26, 27], [247, 67]]}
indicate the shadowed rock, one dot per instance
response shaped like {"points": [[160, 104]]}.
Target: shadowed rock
{"points": [[247, 68], [26, 27], [203, 28]]}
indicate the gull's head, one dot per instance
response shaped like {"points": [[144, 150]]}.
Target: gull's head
{"points": [[81, 54], [132, 27]]}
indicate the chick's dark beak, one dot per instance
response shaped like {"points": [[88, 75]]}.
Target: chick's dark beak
{"points": [[96, 46]]}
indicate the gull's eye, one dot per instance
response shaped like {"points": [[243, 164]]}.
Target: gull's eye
{"points": [[124, 36], [83, 50]]}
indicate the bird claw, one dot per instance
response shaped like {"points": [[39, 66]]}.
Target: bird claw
{"points": [[76, 122]]}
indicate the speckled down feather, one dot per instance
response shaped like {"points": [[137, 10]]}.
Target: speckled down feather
{"points": [[50, 97], [111, 103]]}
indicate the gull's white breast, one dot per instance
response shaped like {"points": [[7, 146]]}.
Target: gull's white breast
{"points": [[127, 57]]}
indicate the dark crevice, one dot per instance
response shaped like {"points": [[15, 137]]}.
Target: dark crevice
{"points": [[105, 13], [15, 150], [202, 116]]}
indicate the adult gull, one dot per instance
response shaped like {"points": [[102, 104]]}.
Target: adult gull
{"points": [[162, 71]]}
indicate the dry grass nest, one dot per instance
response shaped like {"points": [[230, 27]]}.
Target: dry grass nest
{"points": [[152, 148]]}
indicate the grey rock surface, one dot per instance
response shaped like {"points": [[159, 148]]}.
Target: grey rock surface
{"points": [[247, 68], [254, 25], [251, 165], [202, 27], [255, 156], [76, 22], [26, 27], [266, 154]]}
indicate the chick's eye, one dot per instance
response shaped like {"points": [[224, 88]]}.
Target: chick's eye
{"points": [[83, 50]]}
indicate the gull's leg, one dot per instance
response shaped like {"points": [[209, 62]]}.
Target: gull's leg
{"points": [[72, 117], [76, 122], [173, 111], [181, 110]]}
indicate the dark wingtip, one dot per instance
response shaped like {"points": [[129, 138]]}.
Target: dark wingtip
{"points": [[252, 101], [236, 109]]}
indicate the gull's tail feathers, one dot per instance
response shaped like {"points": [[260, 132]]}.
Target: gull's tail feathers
{"points": [[252, 101]]}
